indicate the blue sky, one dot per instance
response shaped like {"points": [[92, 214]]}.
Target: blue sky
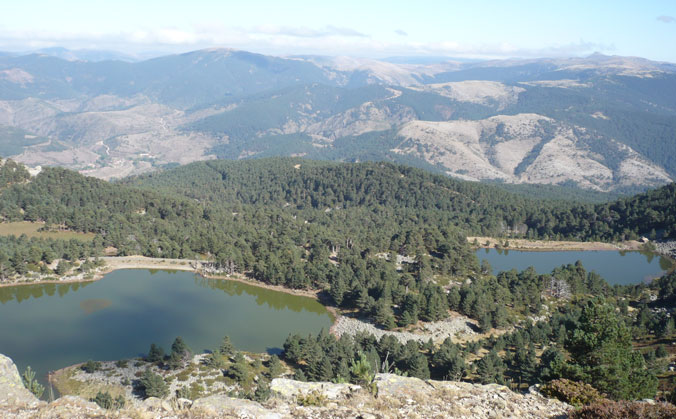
{"points": [[365, 28]]}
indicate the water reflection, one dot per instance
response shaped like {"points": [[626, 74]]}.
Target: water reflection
{"points": [[50, 326], [25, 292], [273, 299]]}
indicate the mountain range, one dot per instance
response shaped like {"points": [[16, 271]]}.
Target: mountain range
{"points": [[605, 123]]}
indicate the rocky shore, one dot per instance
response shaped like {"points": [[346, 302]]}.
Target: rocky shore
{"points": [[666, 248]]}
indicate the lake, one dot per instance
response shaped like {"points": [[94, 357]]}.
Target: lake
{"points": [[615, 267], [52, 326]]}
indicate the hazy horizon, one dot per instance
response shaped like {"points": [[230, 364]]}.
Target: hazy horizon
{"points": [[376, 29]]}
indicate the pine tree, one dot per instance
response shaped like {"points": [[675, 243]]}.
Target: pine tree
{"points": [[454, 298], [337, 291], [226, 348], [491, 369], [155, 354], [384, 315], [326, 369], [342, 370], [31, 384], [448, 361], [274, 366], [602, 355], [175, 361], [500, 317], [239, 370], [153, 385], [180, 348], [418, 367], [485, 322]]}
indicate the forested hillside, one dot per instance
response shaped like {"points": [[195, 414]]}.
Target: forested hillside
{"points": [[473, 207], [268, 216]]}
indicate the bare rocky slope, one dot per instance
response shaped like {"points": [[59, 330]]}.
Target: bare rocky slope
{"points": [[395, 397], [528, 148]]}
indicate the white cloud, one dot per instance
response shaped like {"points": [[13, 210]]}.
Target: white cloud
{"points": [[304, 32], [282, 40], [400, 32], [666, 19]]}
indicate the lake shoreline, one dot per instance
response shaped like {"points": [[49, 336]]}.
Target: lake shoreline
{"points": [[552, 245], [666, 250], [115, 263]]}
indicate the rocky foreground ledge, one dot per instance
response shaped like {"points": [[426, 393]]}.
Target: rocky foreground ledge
{"points": [[396, 397]]}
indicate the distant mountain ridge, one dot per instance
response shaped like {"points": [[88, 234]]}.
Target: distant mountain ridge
{"points": [[612, 120]]}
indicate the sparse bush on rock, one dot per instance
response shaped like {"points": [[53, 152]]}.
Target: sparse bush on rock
{"points": [[571, 392], [610, 409]]}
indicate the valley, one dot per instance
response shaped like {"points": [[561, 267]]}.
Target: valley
{"points": [[389, 250], [337, 210]]}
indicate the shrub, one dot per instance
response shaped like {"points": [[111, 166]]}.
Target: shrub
{"points": [[216, 360], [106, 401], [196, 390], [91, 366], [262, 392], [672, 396], [191, 393], [153, 385], [31, 384], [183, 393], [572, 392], [122, 363], [661, 352], [360, 370], [313, 398], [609, 409], [239, 370]]}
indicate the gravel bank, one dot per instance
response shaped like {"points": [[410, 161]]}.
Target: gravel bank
{"points": [[667, 248], [437, 331]]}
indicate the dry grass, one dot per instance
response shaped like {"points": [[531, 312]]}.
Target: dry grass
{"points": [[30, 229], [65, 384]]}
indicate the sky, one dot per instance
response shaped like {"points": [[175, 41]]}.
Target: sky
{"points": [[363, 28]]}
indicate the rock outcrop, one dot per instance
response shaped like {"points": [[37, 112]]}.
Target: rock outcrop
{"points": [[13, 395], [395, 396]]}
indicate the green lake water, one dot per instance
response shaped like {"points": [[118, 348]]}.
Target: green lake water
{"points": [[52, 326], [615, 267]]}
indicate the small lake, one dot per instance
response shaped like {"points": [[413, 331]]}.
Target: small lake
{"points": [[621, 268], [52, 326]]}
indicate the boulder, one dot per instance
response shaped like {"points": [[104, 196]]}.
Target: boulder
{"points": [[286, 389], [12, 391], [224, 406]]}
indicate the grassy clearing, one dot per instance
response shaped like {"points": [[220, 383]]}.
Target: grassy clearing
{"points": [[30, 229], [66, 384]]}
